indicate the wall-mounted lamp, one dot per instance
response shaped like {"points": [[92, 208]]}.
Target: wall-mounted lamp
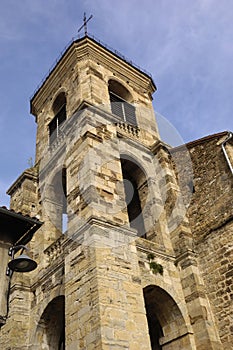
{"points": [[21, 263], [16, 231]]}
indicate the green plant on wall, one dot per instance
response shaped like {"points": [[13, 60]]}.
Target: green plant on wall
{"points": [[154, 266]]}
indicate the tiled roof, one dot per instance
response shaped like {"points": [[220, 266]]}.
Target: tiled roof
{"points": [[199, 141]]}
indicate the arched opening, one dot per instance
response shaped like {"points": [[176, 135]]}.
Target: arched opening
{"points": [[120, 99], [165, 321], [64, 201], [118, 89], [58, 200], [59, 111], [155, 330], [50, 333], [136, 190]]}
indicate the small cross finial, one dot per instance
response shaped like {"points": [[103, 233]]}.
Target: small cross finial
{"points": [[85, 20]]}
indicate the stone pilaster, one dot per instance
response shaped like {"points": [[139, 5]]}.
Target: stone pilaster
{"points": [[200, 313]]}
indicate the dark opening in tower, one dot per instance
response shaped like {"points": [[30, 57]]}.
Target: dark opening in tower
{"points": [[64, 201], [58, 197], [136, 190], [59, 110], [50, 332], [165, 320]]}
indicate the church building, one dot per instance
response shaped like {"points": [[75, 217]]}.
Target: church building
{"points": [[133, 238]]}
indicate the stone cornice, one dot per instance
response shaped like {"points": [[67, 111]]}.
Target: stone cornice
{"points": [[53, 81], [158, 145], [88, 49], [146, 246], [27, 174]]}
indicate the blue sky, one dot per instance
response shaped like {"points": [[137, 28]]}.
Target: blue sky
{"points": [[185, 44]]}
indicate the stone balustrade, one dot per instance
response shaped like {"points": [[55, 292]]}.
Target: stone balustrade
{"points": [[55, 250], [132, 130]]}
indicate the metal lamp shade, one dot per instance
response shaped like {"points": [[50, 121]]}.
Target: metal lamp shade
{"points": [[22, 264]]}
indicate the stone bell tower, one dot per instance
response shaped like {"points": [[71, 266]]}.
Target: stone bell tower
{"points": [[116, 264], [94, 115]]}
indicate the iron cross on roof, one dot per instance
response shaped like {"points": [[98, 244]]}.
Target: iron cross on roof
{"points": [[85, 20]]}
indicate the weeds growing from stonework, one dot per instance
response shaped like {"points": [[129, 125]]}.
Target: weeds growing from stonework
{"points": [[154, 266]]}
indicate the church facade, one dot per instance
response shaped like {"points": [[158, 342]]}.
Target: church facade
{"points": [[135, 249]]}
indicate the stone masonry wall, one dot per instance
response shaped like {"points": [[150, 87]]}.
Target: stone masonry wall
{"points": [[210, 215], [211, 182], [215, 256]]}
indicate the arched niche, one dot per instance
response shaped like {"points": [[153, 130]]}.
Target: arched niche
{"points": [[50, 332], [167, 328]]}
